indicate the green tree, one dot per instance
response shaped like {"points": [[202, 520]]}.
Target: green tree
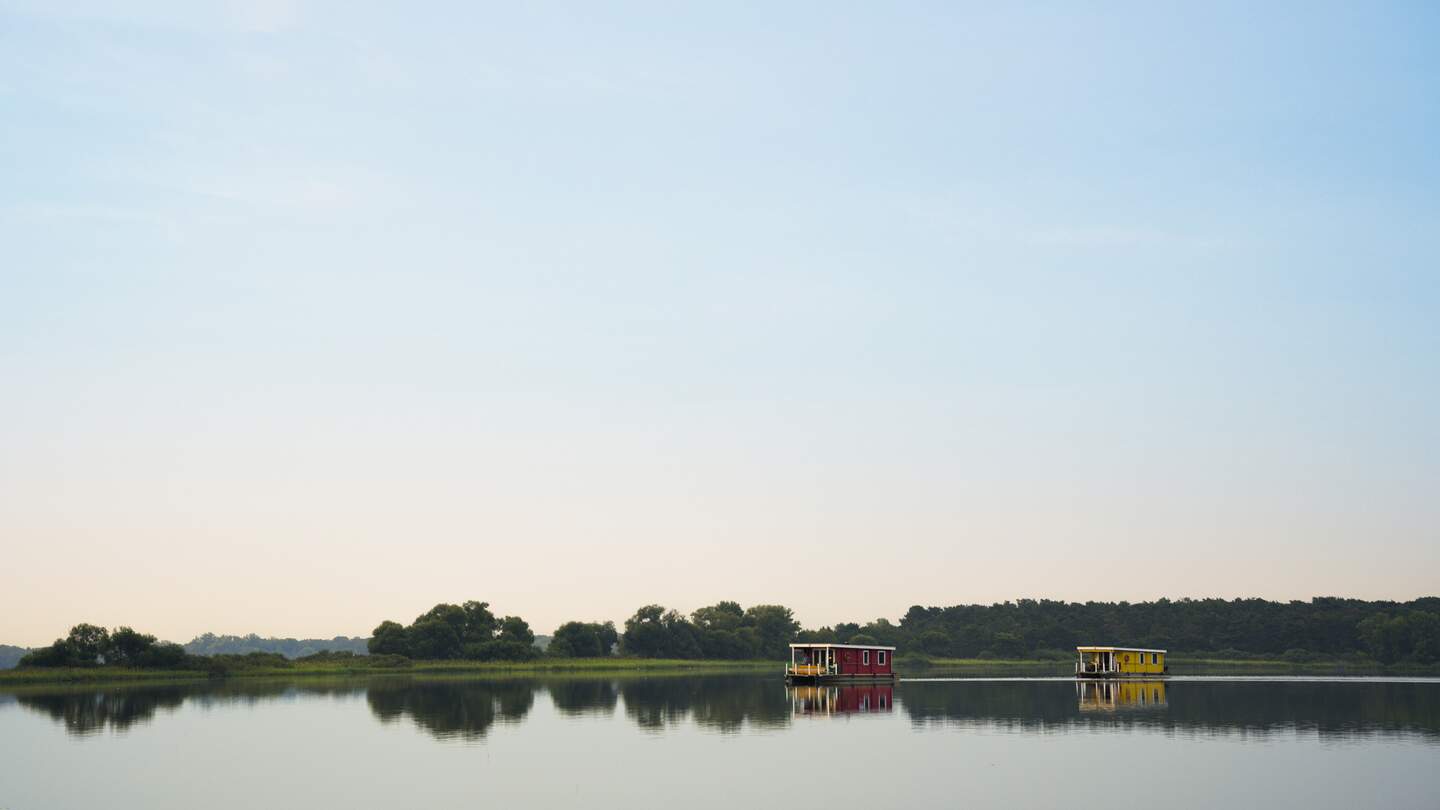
{"points": [[434, 638], [516, 630], [389, 638], [775, 627], [574, 640], [164, 655], [480, 623], [609, 637], [127, 647], [935, 642], [55, 655], [453, 615], [645, 633], [449, 631], [88, 643], [582, 640], [722, 616], [654, 632]]}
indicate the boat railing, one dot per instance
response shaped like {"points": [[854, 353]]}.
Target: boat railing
{"points": [[810, 670]]}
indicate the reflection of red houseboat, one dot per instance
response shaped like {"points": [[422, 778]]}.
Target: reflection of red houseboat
{"points": [[829, 663], [827, 700]]}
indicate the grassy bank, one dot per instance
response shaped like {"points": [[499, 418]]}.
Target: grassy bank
{"points": [[359, 666]]}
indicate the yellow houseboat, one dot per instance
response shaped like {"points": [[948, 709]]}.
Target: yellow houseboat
{"points": [[1119, 662]]}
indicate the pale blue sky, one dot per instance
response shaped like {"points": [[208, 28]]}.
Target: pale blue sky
{"points": [[315, 314]]}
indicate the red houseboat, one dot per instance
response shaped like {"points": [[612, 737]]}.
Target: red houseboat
{"points": [[830, 663]]}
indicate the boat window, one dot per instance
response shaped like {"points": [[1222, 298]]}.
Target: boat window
{"points": [[865, 657], [1154, 658], [880, 658]]}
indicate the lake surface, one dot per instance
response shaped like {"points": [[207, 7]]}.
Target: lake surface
{"points": [[725, 741]]}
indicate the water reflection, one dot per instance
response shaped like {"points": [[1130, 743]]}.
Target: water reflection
{"points": [[471, 709], [832, 700], [87, 710], [577, 698], [92, 712], [1330, 708], [715, 702], [452, 710], [1110, 696]]}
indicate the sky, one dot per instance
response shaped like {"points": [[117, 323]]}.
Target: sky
{"points": [[317, 314]]}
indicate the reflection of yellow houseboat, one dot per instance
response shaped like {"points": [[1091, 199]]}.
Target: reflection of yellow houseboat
{"points": [[1119, 662], [1109, 696], [841, 699]]}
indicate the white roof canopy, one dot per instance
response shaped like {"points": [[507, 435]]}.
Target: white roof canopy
{"points": [[812, 645], [1116, 649]]}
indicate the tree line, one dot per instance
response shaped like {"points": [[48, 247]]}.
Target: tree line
{"points": [[1323, 627], [211, 644], [1387, 632], [449, 632], [92, 646], [470, 631], [89, 645]]}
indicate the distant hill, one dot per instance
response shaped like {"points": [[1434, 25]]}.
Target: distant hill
{"points": [[10, 656], [211, 644]]}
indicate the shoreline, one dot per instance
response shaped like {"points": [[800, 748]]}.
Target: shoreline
{"points": [[567, 666], [914, 667]]}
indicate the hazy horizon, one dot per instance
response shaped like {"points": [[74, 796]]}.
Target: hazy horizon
{"points": [[619, 619], [317, 314]]}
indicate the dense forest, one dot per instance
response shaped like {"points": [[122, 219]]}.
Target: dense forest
{"points": [[1388, 632], [722, 630], [1322, 628]]}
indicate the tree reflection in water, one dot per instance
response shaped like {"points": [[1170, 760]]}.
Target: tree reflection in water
{"points": [[86, 711], [1334, 708], [581, 697], [468, 709], [722, 703], [452, 709]]}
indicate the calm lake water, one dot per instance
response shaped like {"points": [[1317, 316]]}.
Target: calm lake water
{"points": [[723, 742]]}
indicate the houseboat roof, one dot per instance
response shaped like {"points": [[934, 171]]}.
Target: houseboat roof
{"points": [[1117, 649], [813, 644]]}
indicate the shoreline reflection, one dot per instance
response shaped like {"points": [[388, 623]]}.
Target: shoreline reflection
{"points": [[468, 710]]}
